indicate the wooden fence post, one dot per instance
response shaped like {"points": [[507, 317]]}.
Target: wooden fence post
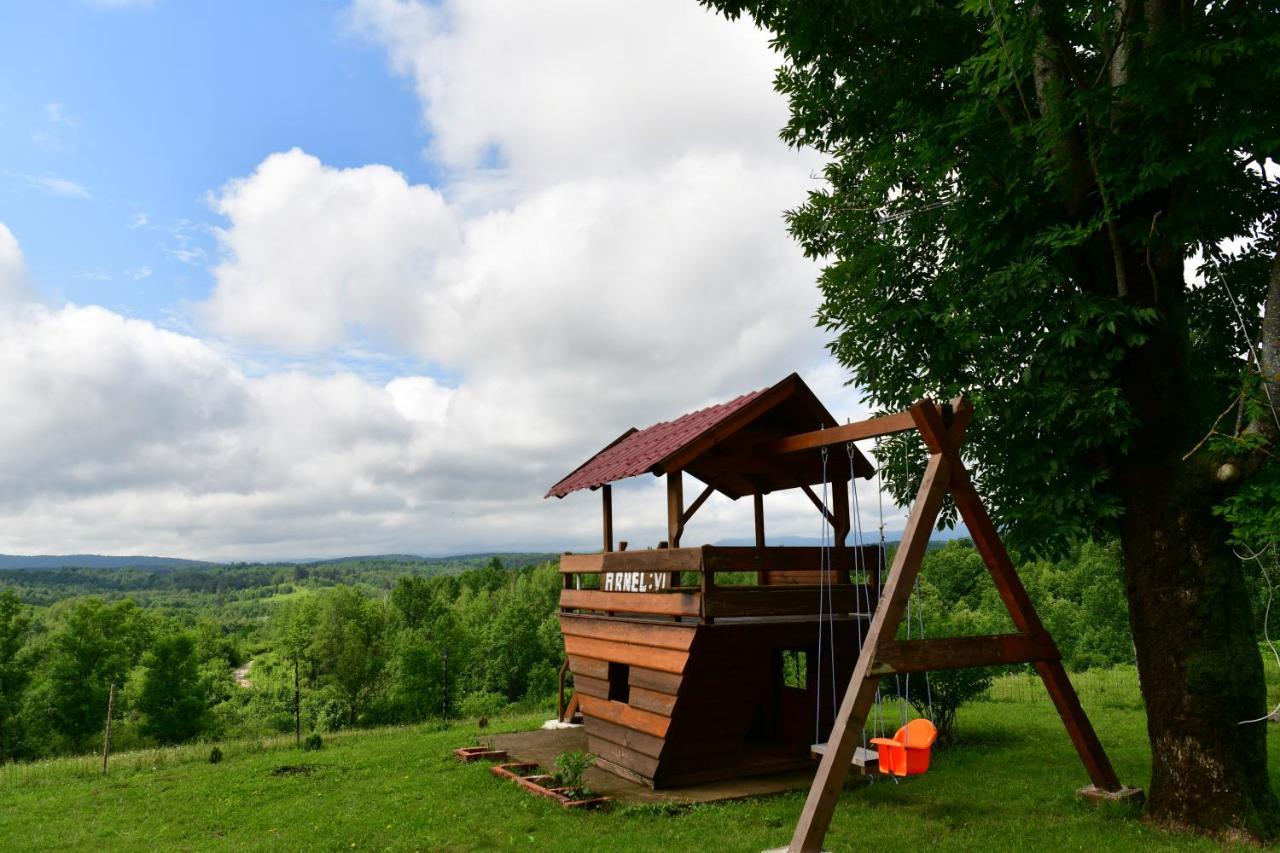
{"points": [[106, 734]]}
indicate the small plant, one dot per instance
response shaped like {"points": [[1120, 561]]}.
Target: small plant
{"points": [[313, 742], [570, 766], [215, 755]]}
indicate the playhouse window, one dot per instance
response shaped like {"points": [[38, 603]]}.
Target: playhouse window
{"points": [[795, 666], [619, 682]]}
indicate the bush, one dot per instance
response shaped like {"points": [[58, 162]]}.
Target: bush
{"points": [[570, 766], [482, 703], [313, 743]]}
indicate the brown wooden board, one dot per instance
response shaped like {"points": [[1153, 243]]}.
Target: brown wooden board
{"points": [[628, 716], [657, 603], [872, 428], [960, 652], [659, 635], [651, 700], [652, 679], [779, 600], [665, 660], [643, 560], [590, 667], [589, 686], [632, 739], [640, 767], [718, 558]]}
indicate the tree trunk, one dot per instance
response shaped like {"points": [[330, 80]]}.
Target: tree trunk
{"points": [[1193, 629]]}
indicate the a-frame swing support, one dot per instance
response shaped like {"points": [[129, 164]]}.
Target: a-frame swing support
{"points": [[882, 654]]}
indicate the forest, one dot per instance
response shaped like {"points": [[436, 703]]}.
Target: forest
{"points": [[391, 641]]}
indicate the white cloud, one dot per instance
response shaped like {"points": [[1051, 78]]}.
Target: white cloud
{"points": [[605, 250], [314, 253], [62, 187], [565, 88], [13, 283]]}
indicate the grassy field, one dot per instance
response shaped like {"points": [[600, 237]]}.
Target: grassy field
{"points": [[1008, 784]]}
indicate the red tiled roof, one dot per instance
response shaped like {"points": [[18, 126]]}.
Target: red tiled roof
{"points": [[639, 451]]}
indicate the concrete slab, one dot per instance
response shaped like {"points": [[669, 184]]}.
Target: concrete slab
{"points": [[543, 746]]}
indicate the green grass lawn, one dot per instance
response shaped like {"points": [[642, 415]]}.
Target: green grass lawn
{"points": [[1008, 784]]}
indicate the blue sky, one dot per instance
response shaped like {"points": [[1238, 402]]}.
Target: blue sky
{"points": [[148, 108]]}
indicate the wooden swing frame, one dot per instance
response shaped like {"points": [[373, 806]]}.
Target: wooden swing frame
{"points": [[943, 430]]}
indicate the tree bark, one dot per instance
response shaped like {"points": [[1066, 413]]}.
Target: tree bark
{"points": [[1193, 629], [1268, 345]]}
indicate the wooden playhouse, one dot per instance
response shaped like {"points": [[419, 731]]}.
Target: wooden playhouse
{"points": [[700, 663]]}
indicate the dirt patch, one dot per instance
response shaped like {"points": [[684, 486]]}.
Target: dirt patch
{"points": [[294, 770], [241, 674]]}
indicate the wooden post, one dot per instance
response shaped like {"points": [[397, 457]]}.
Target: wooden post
{"points": [[840, 509], [297, 706], [606, 501], [675, 507], [762, 576], [106, 733], [840, 529], [675, 515]]}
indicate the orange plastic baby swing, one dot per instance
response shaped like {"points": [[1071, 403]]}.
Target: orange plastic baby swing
{"points": [[907, 753]]}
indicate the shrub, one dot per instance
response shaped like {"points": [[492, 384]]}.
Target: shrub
{"points": [[570, 766], [313, 742], [482, 703]]}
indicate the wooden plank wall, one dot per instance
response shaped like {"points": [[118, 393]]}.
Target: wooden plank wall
{"points": [[694, 692], [629, 738], [730, 672]]}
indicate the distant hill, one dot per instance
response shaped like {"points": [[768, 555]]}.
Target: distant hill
{"points": [[98, 561], [19, 562]]}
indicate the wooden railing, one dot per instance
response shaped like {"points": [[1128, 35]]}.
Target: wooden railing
{"points": [[786, 582]]}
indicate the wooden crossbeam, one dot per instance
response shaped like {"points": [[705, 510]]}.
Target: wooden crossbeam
{"points": [[695, 506], [882, 654], [962, 652], [817, 501], [870, 428]]}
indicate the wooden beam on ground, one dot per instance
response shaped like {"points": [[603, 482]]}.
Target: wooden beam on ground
{"points": [[1083, 737], [871, 428], [820, 805], [606, 504]]}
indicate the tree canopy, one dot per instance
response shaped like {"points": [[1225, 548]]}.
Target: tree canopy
{"points": [[1067, 209]]}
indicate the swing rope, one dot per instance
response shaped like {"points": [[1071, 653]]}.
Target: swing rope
{"points": [[862, 579], [826, 610]]}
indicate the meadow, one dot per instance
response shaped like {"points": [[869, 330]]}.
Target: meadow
{"points": [[1008, 781]]}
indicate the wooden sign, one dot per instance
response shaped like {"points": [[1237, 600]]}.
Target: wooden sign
{"points": [[636, 581]]}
